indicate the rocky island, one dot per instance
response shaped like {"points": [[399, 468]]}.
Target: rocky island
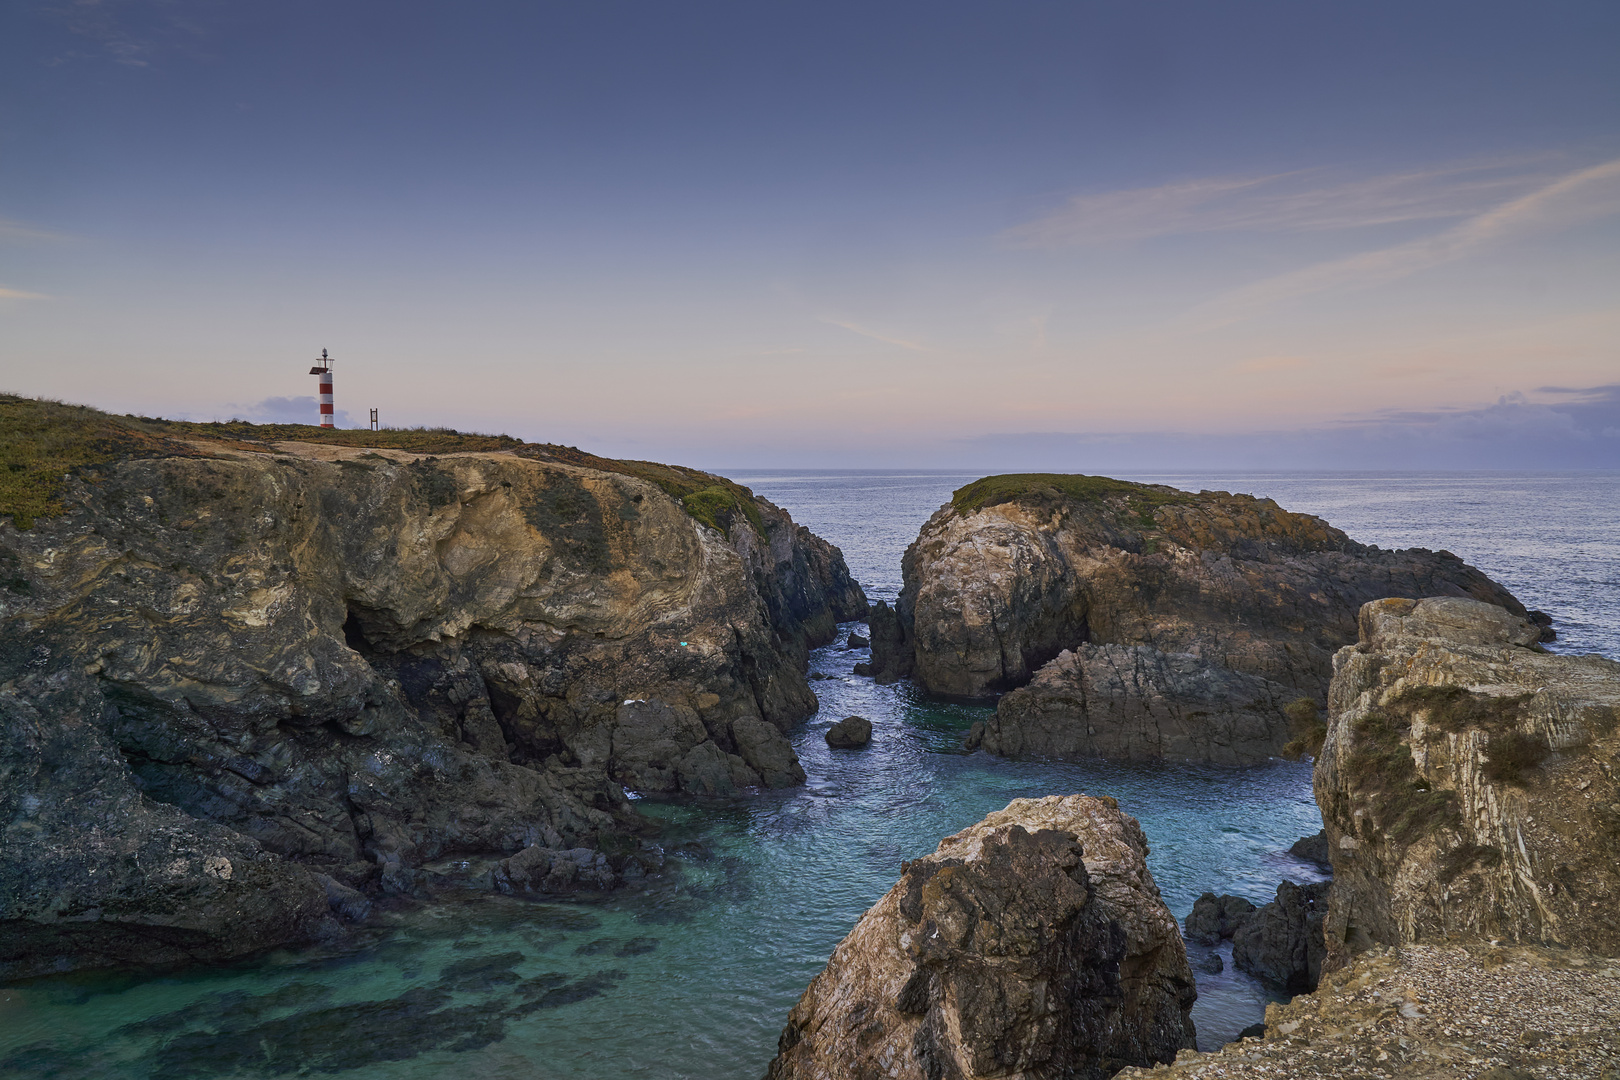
{"points": [[251, 676], [1140, 621]]}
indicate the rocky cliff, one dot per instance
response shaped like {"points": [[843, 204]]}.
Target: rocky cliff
{"points": [[1033, 944], [1467, 784], [1191, 620], [243, 681]]}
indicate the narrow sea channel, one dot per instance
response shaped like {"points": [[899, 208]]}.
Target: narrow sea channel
{"points": [[693, 976]]}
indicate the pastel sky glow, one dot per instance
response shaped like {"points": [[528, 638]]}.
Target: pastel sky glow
{"points": [[1078, 236]]}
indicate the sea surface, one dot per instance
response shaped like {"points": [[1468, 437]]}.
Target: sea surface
{"points": [[694, 975]]}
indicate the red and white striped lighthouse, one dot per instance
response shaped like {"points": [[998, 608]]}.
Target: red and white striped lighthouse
{"points": [[323, 368]]}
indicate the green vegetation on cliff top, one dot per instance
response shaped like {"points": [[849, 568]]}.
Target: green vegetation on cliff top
{"points": [[44, 443], [1010, 487]]}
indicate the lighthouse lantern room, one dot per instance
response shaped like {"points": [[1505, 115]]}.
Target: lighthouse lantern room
{"points": [[323, 368]]}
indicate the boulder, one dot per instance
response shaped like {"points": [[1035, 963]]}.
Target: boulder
{"points": [[1282, 941], [855, 641], [1313, 849], [1228, 607], [850, 733], [1032, 944], [1467, 785], [1133, 702], [1216, 918]]}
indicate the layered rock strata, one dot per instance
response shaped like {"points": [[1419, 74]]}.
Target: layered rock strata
{"points": [[238, 686], [1467, 783], [1033, 944], [1190, 620]]}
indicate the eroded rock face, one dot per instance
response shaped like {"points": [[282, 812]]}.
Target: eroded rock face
{"points": [[1134, 702], [348, 663], [1467, 784], [1033, 944], [1212, 603]]}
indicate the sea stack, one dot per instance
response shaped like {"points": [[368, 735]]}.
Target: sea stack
{"points": [[1033, 944]]}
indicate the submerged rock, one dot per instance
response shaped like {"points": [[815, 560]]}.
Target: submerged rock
{"points": [[1281, 942], [232, 674], [850, 733], [1032, 944], [1178, 610], [1467, 784]]}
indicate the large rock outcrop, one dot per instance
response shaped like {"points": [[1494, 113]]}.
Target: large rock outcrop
{"points": [[1033, 944], [1467, 784], [240, 680], [1191, 620]]}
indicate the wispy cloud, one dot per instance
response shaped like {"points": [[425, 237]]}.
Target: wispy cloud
{"points": [[1582, 195], [18, 294], [134, 33], [1303, 201], [875, 336]]}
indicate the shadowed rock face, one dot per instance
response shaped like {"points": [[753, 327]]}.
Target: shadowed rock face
{"points": [[219, 675], [1467, 784], [1136, 703], [1033, 944], [1282, 941], [1181, 612]]}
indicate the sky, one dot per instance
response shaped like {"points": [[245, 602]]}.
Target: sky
{"points": [[1069, 236]]}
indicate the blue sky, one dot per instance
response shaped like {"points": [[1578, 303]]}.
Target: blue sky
{"points": [[1066, 236]]}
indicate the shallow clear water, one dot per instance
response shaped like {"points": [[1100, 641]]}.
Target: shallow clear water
{"points": [[694, 976]]}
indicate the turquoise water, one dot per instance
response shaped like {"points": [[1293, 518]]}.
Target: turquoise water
{"points": [[693, 976]]}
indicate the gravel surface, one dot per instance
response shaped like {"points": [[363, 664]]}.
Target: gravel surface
{"points": [[1415, 1012]]}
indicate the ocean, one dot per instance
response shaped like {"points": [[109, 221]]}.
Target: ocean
{"points": [[694, 975]]}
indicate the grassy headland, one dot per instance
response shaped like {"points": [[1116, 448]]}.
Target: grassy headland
{"points": [[44, 444]]}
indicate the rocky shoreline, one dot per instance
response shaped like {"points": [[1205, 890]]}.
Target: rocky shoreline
{"points": [[244, 683]]}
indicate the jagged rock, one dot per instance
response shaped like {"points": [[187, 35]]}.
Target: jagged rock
{"points": [[1282, 941], [1134, 702], [1032, 944], [1215, 918], [850, 733], [1211, 964], [1313, 849], [1018, 569], [1467, 783], [861, 669], [331, 661], [348, 904], [855, 641]]}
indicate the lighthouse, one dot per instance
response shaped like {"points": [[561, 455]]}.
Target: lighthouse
{"points": [[323, 368]]}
